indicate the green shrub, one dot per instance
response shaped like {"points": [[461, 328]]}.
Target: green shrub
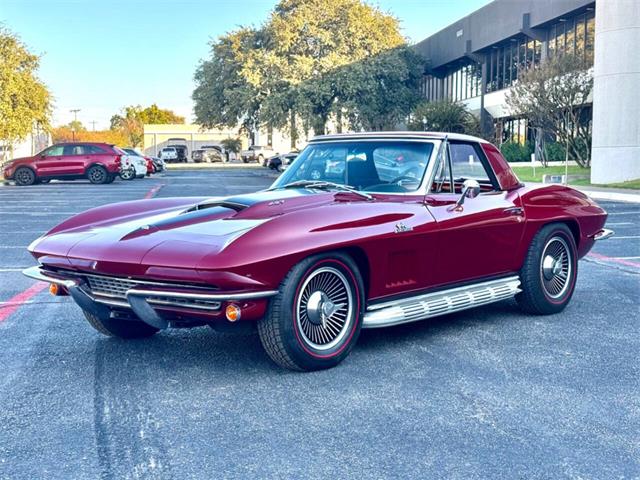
{"points": [[554, 151], [514, 152]]}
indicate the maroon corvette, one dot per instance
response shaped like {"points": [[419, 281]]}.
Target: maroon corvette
{"points": [[361, 231]]}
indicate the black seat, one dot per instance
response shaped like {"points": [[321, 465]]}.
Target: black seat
{"points": [[362, 174]]}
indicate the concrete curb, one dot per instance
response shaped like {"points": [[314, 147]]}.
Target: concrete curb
{"points": [[614, 196]]}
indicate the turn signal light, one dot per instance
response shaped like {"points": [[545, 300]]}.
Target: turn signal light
{"points": [[232, 313], [54, 289]]}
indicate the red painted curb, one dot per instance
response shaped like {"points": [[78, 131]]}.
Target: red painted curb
{"points": [[152, 193], [15, 302], [604, 258]]}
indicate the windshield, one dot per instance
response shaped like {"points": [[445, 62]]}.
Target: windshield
{"points": [[372, 166]]}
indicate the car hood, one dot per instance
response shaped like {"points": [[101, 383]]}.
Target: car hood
{"points": [[129, 238], [19, 161]]}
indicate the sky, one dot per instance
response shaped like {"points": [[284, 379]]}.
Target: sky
{"points": [[101, 55]]}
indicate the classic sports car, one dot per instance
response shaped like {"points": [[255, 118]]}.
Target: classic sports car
{"points": [[361, 231]]}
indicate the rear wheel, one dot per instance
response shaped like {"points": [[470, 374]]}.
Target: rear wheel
{"points": [[97, 174], [121, 328], [314, 321], [549, 272], [24, 176]]}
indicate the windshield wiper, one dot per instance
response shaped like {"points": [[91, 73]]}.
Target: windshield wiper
{"points": [[323, 185]]}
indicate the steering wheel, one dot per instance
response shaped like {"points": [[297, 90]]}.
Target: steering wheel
{"points": [[411, 173]]}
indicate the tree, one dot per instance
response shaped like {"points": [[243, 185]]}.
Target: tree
{"points": [[66, 134], [553, 97], [155, 115], [288, 68], [309, 39], [380, 92], [232, 144], [444, 116], [223, 96], [25, 101], [76, 125], [132, 119]]}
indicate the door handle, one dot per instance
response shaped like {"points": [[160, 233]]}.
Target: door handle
{"points": [[519, 211]]}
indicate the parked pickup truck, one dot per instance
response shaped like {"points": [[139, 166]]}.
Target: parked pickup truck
{"points": [[256, 153]]}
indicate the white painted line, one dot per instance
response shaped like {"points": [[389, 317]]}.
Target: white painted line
{"points": [[12, 246], [626, 258], [619, 224], [19, 269], [624, 213], [629, 237]]}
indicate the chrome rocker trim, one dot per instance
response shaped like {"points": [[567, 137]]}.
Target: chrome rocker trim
{"points": [[603, 234], [141, 300], [439, 303]]}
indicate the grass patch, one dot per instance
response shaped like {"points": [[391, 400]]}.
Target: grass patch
{"points": [[525, 174]]}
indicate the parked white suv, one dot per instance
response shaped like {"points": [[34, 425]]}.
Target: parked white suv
{"points": [[168, 154]]}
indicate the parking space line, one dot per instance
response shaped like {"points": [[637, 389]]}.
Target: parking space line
{"points": [[15, 302], [618, 224], [604, 258], [627, 237]]}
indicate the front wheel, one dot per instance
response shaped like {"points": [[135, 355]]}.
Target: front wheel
{"points": [[24, 176], [549, 272], [315, 319], [121, 328]]}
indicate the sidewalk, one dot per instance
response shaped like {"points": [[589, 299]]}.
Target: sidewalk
{"points": [[601, 193]]}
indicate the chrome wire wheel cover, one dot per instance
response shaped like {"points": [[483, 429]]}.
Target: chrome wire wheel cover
{"points": [[556, 267], [324, 308]]}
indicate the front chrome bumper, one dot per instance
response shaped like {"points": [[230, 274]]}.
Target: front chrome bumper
{"points": [[142, 297], [603, 234]]}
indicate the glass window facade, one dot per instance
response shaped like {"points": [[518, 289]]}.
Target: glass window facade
{"points": [[459, 83], [573, 35], [506, 60]]}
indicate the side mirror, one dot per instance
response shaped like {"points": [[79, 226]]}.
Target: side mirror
{"points": [[470, 189]]}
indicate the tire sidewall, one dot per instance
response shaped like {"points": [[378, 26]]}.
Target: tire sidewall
{"points": [[96, 168], [302, 353], [24, 184], [554, 305]]}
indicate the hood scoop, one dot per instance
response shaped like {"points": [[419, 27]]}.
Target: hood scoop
{"points": [[229, 203], [189, 217]]}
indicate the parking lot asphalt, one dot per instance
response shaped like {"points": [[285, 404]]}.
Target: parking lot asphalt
{"points": [[487, 393]]}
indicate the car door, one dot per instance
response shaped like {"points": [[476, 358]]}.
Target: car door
{"points": [[480, 237], [75, 158], [51, 161]]}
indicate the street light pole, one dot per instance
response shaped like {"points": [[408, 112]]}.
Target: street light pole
{"points": [[75, 121]]}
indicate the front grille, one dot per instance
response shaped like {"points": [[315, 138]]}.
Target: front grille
{"points": [[110, 286], [113, 291]]}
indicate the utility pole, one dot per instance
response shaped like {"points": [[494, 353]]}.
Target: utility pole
{"points": [[75, 120], [93, 125]]}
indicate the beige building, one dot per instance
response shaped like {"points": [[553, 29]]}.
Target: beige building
{"points": [[156, 137]]}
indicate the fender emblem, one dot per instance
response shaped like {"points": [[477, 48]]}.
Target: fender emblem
{"points": [[401, 227], [275, 202]]}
